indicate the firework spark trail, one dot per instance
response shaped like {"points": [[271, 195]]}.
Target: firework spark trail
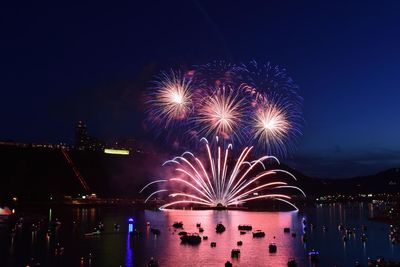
{"points": [[218, 186], [156, 192], [157, 181]]}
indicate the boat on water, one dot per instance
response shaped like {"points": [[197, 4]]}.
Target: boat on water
{"points": [[364, 238], [258, 234], [155, 231], [220, 228], [245, 227], [313, 255], [292, 262], [191, 239], [272, 248], [153, 262], [177, 225], [94, 233], [235, 253]]}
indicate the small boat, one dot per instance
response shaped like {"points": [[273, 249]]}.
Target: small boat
{"points": [[153, 262], [258, 233], [364, 238], [205, 237], [242, 232], [97, 232], [239, 243], [35, 227], [59, 250], [379, 261], [56, 223], [177, 225], [182, 233], [191, 239], [134, 235], [198, 225], [155, 231], [245, 227], [213, 244], [220, 228], [228, 264], [235, 253], [201, 230], [286, 230], [272, 248], [292, 262], [313, 255], [349, 232], [101, 227]]}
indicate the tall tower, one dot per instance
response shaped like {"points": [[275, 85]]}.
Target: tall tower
{"points": [[81, 136]]}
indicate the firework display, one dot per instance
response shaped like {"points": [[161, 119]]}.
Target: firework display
{"points": [[250, 106], [212, 183], [245, 104]]}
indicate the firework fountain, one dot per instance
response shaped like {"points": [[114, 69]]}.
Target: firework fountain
{"points": [[254, 107], [214, 184]]}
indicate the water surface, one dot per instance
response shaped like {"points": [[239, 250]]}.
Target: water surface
{"points": [[113, 248]]}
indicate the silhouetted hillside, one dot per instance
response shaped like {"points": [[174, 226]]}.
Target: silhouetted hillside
{"points": [[37, 173]]}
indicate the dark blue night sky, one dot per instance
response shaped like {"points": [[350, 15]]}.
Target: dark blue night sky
{"points": [[62, 62]]}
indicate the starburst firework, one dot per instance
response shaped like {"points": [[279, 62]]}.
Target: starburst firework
{"points": [[171, 100], [221, 114], [246, 104], [271, 127]]}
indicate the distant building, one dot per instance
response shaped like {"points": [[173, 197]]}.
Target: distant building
{"points": [[81, 136], [85, 142]]}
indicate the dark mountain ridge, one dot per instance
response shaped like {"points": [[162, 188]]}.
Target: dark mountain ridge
{"points": [[37, 173]]}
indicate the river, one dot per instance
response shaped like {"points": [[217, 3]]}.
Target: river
{"points": [[67, 244]]}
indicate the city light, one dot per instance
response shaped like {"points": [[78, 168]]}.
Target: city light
{"points": [[116, 151]]}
